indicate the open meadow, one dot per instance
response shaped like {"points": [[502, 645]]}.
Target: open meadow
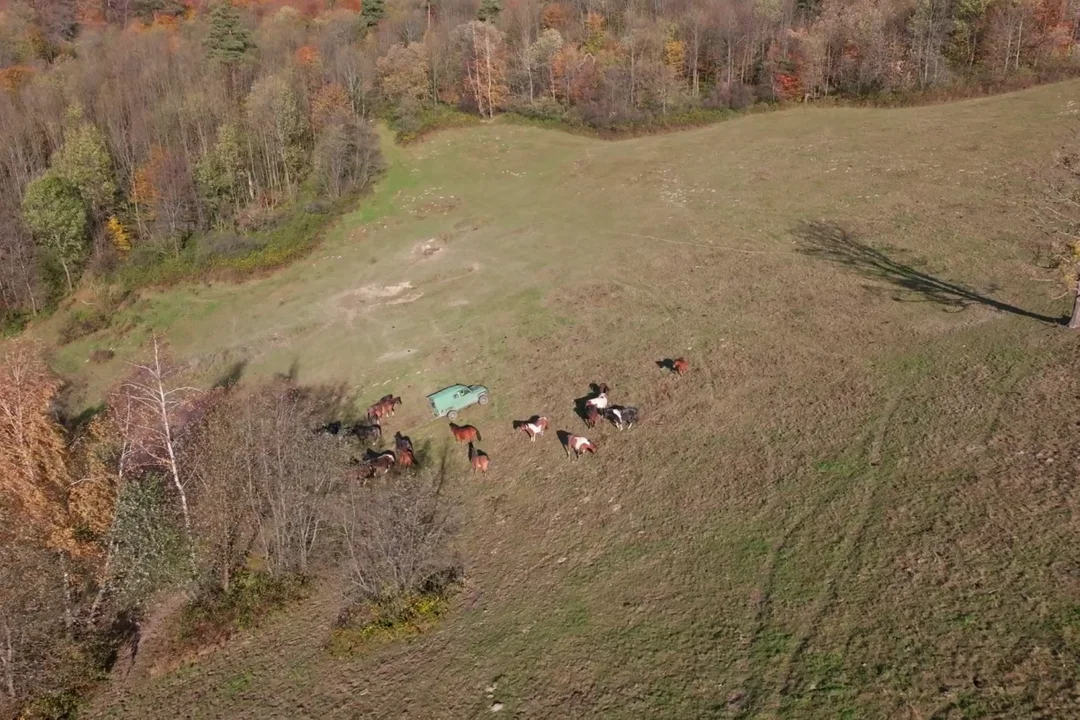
{"points": [[860, 502]]}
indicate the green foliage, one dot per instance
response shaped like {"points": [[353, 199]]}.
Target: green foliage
{"points": [[82, 322], [375, 622], [227, 41], [489, 10], [220, 174], [216, 614], [149, 547], [56, 215], [83, 160], [299, 229], [372, 12]]}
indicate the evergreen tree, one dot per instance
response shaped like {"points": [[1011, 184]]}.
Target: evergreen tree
{"points": [[228, 40], [372, 12], [489, 10]]}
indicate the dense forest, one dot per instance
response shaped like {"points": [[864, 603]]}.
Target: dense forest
{"points": [[130, 126]]}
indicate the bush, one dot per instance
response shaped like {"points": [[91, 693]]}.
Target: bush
{"points": [[226, 245], [359, 625], [217, 614], [396, 537], [150, 550], [729, 96], [82, 322]]}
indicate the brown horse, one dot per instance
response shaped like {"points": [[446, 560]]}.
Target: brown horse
{"points": [[580, 445], [376, 464], [465, 433], [406, 457], [479, 459], [385, 406], [402, 442], [680, 366], [536, 425], [592, 416]]}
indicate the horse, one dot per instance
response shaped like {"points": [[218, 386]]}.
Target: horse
{"points": [[385, 406], [579, 444], [366, 433], [402, 442], [479, 459], [330, 428], [592, 416], [406, 458], [536, 425], [599, 402], [680, 366], [621, 416], [374, 463], [465, 433]]}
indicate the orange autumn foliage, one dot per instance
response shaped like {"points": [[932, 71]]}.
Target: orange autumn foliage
{"points": [[34, 474], [14, 77], [330, 101], [555, 15], [307, 56]]}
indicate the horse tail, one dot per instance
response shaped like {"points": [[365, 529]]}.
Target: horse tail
{"points": [[478, 438]]}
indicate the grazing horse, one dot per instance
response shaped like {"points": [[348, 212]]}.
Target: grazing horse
{"points": [[406, 457], [465, 433], [680, 366], [402, 442], [592, 416], [599, 402], [579, 444], [536, 425], [479, 459], [621, 416], [366, 433]]}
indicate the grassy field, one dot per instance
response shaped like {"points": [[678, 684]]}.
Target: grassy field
{"points": [[860, 503]]}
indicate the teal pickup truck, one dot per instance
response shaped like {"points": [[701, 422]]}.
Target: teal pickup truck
{"points": [[449, 401]]}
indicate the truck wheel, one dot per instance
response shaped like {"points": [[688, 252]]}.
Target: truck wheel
{"points": [[483, 399], [452, 414]]}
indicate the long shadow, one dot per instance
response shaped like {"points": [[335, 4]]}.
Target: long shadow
{"points": [[833, 243]]}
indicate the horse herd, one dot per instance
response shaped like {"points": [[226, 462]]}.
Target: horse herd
{"points": [[592, 409]]}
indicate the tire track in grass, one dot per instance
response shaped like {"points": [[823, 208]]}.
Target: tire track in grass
{"points": [[839, 570], [868, 483]]}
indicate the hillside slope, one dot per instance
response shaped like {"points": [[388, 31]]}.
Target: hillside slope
{"points": [[859, 503]]}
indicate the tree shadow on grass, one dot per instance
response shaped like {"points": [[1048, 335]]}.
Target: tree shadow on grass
{"points": [[833, 243]]}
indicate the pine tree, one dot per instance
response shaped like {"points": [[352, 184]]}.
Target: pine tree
{"points": [[373, 11], [489, 10], [228, 40]]}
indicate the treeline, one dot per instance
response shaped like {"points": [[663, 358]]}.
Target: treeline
{"points": [[129, 127], [229, 497]]}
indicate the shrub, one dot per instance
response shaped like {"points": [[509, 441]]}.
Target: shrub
{"points": [[217, 614], [226, 245], [82, 322], [396, 537], [729, 96]]}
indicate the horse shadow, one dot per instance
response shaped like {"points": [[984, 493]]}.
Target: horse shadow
{"points": [[666, 364], [564, 440]]}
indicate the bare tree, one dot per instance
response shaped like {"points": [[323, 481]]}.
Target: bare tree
{"points": [[397, 537], [156, 411]]}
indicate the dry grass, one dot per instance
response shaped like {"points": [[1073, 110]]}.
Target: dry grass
{"points": [[859, 503]]}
